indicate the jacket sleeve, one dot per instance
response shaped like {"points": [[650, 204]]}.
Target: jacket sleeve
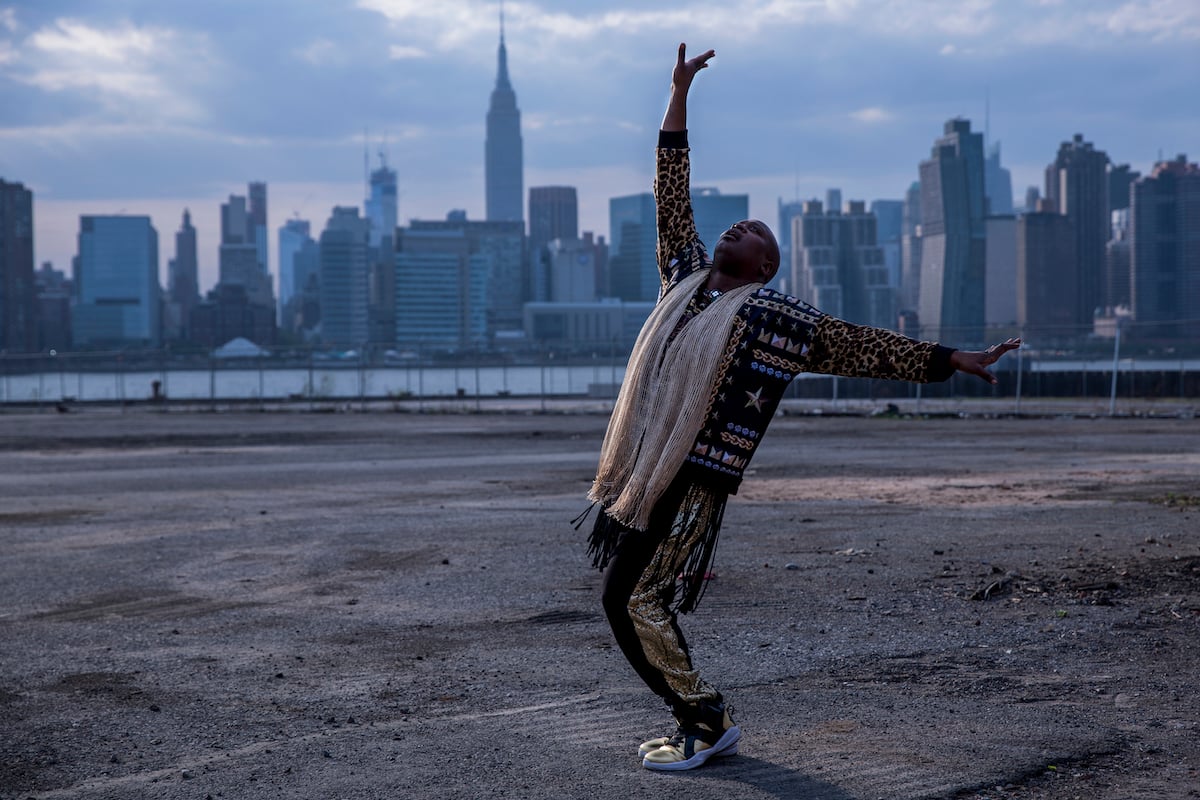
{"points": [[857, 351], [679, 248]]}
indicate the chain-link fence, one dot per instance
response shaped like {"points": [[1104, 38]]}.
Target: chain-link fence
{"points": [[1136, 369]]}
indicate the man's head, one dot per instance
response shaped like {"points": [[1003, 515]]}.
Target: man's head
{"points": [[747, 251]]}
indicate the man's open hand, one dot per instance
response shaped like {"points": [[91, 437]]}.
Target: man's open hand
{"points": [[976, 362], [686, 68]]}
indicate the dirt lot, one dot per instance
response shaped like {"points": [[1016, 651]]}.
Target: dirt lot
{"points": [[296, 605]]}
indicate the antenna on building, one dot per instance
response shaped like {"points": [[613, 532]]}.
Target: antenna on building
{"points": [[501, 21], [366, 164], [987, 117]]}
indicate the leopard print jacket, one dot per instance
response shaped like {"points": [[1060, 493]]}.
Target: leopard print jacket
{"points": [[775, 337]]}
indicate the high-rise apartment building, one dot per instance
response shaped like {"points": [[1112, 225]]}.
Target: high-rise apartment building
{"points": [[838, 266], [1165, 251], [503, 149], [498, 291], [553, 214], [910, 252], [1000, 265], [441, 288], [1120, 179], [18, 319], [953, 237], [889, 230], [633, 239], [117, 294], [1118, 261], [783, 233], [1077, 187], [344, 274], [54, 292], [1046, 266]]}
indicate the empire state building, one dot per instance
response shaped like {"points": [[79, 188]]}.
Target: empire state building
{"points": [[503, 161]]}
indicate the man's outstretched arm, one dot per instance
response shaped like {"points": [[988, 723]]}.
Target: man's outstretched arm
{"points": [[681, 81], [672, 182]]}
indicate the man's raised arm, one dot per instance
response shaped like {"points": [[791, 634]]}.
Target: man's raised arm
{"points": [[672, 182]]}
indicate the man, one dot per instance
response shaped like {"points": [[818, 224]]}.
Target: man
{"points": [[706, 374]]}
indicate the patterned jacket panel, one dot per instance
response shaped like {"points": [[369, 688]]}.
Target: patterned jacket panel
{"points": [[775, 338]]}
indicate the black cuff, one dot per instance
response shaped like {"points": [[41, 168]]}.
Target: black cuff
{"points": [[939, 364], [674, 140]]}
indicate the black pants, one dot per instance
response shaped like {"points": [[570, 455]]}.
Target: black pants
{"points": [[639, 588]]}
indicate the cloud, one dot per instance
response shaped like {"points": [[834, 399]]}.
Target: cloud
{"points": [[131, 71], [399, 52], [8, 19], [1157, 19], [871, 114]]}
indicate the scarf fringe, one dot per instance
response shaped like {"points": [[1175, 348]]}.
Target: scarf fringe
{"points": [[685, 557]]}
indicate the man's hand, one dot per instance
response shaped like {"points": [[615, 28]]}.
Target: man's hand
{"points": [[681, 81], [975, 362], [685, 70]]}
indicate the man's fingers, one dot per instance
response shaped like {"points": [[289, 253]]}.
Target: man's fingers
{"points": [[682, 53]]}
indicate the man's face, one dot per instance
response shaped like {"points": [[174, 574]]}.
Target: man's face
{"points": [[748, 250]]}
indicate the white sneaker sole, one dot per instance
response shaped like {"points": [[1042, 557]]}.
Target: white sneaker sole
{"points": [[728, 740], [643, 749]]}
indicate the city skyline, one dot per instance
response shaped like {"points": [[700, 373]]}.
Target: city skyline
{"points": [[93, 85]]}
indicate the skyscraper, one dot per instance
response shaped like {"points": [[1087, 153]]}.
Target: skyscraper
{"points": [[838, 266], [1077, 187], [951, 302], [1165, 250], [632, 267], [344, 277], [243, 246], [715, 212], [493, 290], [18, 321], [448, 312], [257, 225], [1120, 179], [503, 167], [997, 182], [1118, 262], [382, 206], [183, 281], [299, 258], [553, 214], [117, 294], [910, 251], [1046, 273], [788, 210]]}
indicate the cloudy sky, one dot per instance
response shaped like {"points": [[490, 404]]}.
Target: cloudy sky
{"points": [[151, 106]]}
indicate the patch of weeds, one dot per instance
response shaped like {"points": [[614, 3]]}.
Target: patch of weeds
{"points": [[1173, 500]]}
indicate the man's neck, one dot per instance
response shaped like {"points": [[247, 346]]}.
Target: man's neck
{"points": [[724, 283]]}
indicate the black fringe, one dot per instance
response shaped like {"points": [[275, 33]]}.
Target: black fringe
{"points": [[693, 515], [577, 523]]}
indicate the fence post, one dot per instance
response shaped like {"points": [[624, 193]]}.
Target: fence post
{"points": [[1112, 394], [1020, 374]]}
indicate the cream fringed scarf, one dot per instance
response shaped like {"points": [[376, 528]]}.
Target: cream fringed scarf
{"points": [[663, 400]]}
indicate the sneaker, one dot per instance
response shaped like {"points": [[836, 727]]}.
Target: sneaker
{"points": [[654, 744], [696, 743]]}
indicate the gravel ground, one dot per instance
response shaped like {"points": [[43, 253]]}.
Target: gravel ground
{"points": [[371, 605]]}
